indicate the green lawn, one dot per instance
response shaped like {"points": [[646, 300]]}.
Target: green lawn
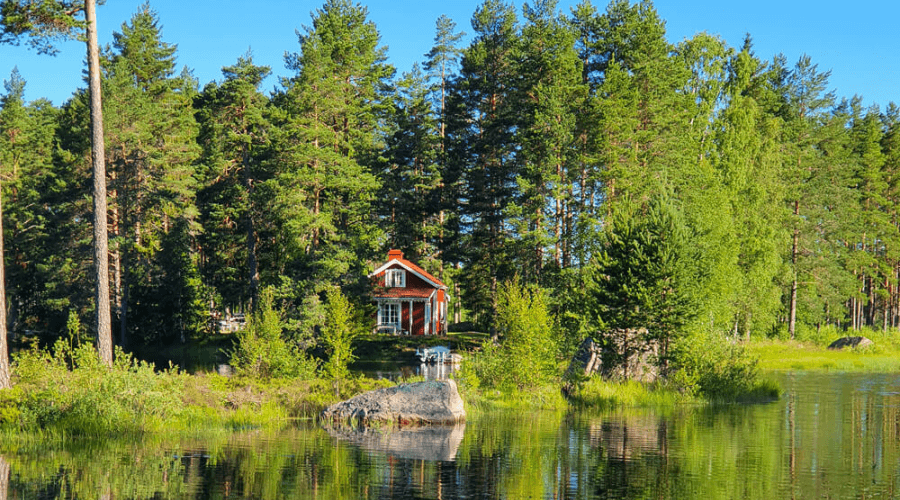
{"points": [[787, 355]]}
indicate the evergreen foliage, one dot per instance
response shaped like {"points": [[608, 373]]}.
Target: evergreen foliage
{"points": [[262, 351], [694, 189], [646, 275], [337, 337]]}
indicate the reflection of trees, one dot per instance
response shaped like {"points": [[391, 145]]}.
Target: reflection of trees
{"points": [[821, 440]]}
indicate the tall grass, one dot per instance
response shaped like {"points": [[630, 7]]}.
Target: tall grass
{"points": [[67, 393], [605, 395]]}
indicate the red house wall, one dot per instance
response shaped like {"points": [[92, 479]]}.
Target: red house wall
{"points": [[418, 319], [413, 282]]}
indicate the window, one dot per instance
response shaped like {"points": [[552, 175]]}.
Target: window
{"points": [[395, 278], [390, 314]]}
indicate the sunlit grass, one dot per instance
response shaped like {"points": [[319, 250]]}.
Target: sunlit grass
{"points": [[603, 394], [794, 355], [547, 397]]}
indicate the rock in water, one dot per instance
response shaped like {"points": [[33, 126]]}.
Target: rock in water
{"points": [[852, 342], [433, 443], [420, 403]]}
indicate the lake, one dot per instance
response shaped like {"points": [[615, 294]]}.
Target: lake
{"points": [[830, 436]]}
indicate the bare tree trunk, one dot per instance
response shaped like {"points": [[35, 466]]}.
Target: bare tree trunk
{"points": [[4, 350], [98, 152], [792, 321], [116, 256], [457, 309], [252, 262]]}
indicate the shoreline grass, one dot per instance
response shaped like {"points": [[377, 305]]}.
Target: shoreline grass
{"points": [[782, 355], [56, 402]]}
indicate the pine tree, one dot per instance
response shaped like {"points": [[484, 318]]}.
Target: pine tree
{"points": [[818, 196], [551, 96], [645, 275], [442, 60], [329, 137], [879, 233], [173, 306], [410, 196], [11, 118], [151, 150], [441, 63], [890, 145], [45, 22], [481, 149], [234, 135]]}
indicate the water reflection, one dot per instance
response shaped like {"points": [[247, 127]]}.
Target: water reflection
{"points": [[830, 436], [4, 478], [438, 443], [396, 372]]}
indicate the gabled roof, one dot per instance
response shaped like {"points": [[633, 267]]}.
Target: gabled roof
{"points": [[396, 257]]}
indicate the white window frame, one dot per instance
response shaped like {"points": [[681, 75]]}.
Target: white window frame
{"points": [[385, 313], [395, 278]]}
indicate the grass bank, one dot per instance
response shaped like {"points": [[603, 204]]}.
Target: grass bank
{"points": [[67, 393], [64, 392], [784, 355]]}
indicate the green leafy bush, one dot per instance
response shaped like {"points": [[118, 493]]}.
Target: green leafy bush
{"points": [[70, 389], [713, 366], [526, 356], [262, 352], [337, 336]]}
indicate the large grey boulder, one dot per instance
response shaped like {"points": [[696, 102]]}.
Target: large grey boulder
{"points": [[620, 354], [851, 342], [420, 403]]}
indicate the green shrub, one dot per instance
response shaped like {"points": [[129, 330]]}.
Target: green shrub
{"points": [[10, 402], [713, 366], [69, 389], [337, 336], [818, 336], [262, 352], [526, 357]]}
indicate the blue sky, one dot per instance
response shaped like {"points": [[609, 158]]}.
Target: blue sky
{"points": [[856, 41]]}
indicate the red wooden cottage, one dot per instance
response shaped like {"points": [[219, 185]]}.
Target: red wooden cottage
{"points": [[410, 301]]}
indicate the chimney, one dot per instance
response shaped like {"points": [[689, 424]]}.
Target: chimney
{"points": [[395, 254]]}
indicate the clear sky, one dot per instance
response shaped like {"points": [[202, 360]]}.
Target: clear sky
{"points": [[857, 41]]}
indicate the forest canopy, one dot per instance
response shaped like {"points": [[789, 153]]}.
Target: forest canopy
{"points": [[578, 152]]}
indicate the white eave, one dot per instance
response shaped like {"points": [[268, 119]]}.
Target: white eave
{"points": [[404, 266]]}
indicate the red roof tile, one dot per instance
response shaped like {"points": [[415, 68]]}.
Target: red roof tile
{"points": [[403, 293], [421, 271]]}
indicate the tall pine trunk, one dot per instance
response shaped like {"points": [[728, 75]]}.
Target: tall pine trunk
{"points": [[252, 262], [116, 256], [98, 149], [4, 478], [4, 351], [792, 321]]}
